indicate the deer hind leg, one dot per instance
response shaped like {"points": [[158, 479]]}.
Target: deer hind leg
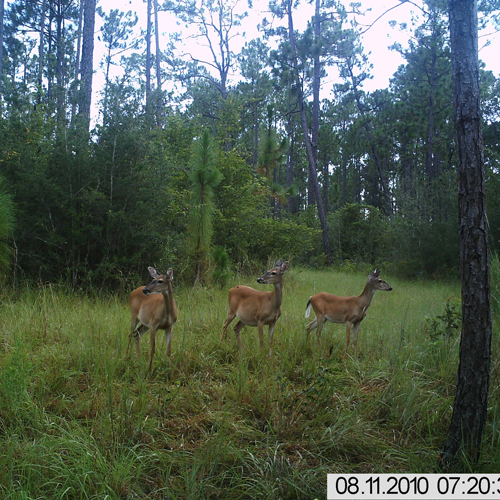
{"points": [[230, 317], [321, 322], [133, 325], [311, 326], [136, 332], [237, 329]]}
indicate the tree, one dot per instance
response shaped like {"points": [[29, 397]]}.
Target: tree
{"points": [[116, 30], [471, 399], [285, 10], [87, 65], [205, 178], [2, 9]]}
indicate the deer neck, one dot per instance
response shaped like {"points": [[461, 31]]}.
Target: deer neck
{"points": [[168, 297], [365, 299], [278, 294]]}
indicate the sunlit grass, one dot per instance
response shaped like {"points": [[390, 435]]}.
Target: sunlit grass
{"points": [[81, 419]]}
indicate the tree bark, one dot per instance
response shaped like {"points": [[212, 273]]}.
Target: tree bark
{"points": [[87, 66], [313, 171], [158, 65], [2, 9], [148, 60], [471, 399]]}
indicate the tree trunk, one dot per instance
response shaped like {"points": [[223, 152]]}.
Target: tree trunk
{"points": [[78, 54], [470, 405], [87, 66], [148, 61], [2, 9], [309, 147], [158, 66]]}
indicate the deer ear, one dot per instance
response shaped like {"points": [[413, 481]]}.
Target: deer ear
{"points": [[279, 262], [375, 273], [153, 272], [170, 274], [285, 266]]}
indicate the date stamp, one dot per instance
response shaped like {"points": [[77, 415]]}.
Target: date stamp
{"points": [[413, 486]]}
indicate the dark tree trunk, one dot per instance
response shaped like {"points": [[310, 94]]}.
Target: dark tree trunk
{"points": [[148, 60], [311, 156], [2, 7], [78, 54], [158, 66], [87, 66], [470, 406]]}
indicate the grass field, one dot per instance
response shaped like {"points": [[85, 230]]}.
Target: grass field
{"points": [[79, 419]]}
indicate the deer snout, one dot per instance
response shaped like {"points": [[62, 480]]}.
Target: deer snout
{"points": [[260, 280], [145, 291]]}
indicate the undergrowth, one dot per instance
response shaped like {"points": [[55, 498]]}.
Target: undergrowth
{"points": [[81, 420]]}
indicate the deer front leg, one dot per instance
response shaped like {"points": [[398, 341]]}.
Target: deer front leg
{"points": [[261, 333], [168, 337], [152, 353], [271, 336], [355, 330], [348, 334]]}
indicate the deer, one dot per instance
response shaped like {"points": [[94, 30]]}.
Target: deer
{"points": [[153, 308], [255, 307], [348, 310]]}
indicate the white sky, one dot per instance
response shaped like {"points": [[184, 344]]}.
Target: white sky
{"points": [[376, 40]]}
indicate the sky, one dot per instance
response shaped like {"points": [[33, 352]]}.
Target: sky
{"points": [[376, 40]]}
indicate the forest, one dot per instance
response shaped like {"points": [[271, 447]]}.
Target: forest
{"points": [[181, 165], [210, 166]]}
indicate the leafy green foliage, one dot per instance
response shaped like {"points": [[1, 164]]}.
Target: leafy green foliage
{"points": [[446, 325], [360, 233], [6, 226]]}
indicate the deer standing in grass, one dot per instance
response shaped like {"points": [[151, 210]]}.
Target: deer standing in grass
{"points": [[153, 308], [257, 308], [348, 310]]}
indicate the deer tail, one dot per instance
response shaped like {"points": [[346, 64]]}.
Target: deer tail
{"points": [[308, 309]]}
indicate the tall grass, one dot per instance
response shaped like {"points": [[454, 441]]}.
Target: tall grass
{"points": [[80, 419]]}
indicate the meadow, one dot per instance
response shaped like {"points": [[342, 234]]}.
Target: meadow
{"points": [[79, 419]]}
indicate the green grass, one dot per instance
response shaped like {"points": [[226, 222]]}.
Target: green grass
{"points": [[79, 419]]}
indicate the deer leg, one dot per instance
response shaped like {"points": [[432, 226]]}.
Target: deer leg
{"points": [[311, 326], [168, 337], [230, 317], [321, 322], [260, 326], [133, 326], [271, 335], [152, 353], [355, 330], [137, 333], [348, 334], [237, 330]]}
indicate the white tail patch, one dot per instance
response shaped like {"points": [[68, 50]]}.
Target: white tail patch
{"points": [[308, 309]]}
